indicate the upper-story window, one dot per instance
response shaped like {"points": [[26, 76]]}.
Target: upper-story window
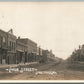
{"points": [[4, 40], [10, 45], [14, 46]]}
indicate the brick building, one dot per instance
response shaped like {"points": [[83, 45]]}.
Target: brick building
{"points": [[11, 54], [13, 50], [21, 51], [3, 47], [31, 49]]}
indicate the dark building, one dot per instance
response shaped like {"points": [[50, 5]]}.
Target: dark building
{"points": [[31, 49], [21, 51], [11, 54], [3, 47], [44, 57], [50, 55], [39, 54]]}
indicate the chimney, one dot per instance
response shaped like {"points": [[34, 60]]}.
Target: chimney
{"points": [[10, 31], [19, 37]]}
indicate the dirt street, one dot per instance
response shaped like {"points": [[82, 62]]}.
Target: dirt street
{"points": [[48, 71]]}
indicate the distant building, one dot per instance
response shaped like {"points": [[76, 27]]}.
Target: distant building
{"points": [[39, 51], [50, 54], [44, 57]]}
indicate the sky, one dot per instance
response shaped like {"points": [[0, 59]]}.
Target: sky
{"points": [[52, 25]]}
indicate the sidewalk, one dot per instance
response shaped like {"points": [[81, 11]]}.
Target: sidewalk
{"points": [[15, 65]]}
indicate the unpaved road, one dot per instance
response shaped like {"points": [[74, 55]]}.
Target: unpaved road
{"points": [[62, 73]]}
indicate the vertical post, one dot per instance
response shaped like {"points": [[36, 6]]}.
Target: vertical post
{"points": [[1, 50]]}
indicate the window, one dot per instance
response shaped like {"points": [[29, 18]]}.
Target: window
{"points": [[10, 45], [14, 46], [4, 40]]}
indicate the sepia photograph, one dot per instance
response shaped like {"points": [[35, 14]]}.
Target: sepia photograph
{"points": [[41, 40]]}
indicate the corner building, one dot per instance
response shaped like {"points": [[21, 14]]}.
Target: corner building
{"points": [[3, 47], [11, 55]]}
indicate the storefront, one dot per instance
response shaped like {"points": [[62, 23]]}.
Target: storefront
{"points": [[20, 56], [3, 56], [11, 58]]}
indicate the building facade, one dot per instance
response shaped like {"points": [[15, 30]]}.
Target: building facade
{"points": [[39, 54], [31, 49], [11, 54], [3, 47], [43, 57], [15, 50], [21, 51]]}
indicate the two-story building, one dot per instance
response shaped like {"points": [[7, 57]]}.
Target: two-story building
{"points": [[11, 54], [3, 47], [21, 51], [31, 49]]}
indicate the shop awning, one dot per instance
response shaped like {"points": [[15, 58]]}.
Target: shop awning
{"points": [[20, 50]]}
